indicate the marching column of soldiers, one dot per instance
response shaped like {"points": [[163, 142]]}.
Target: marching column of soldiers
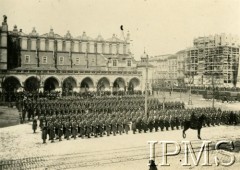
{"points": [[67, 118]]}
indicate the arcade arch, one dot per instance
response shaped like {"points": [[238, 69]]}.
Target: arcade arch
{"points": [[51, 84], [119, 84], [32, 84], [134, 84], [69, 84], [86, 84], [11, 84], [103, 84]]}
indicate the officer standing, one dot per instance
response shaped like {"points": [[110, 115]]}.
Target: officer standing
{"points": [[44, 132], [34, 125]]}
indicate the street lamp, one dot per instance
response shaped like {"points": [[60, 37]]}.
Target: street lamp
{"points": [[146, 88], [163, 91], [190, 93]]}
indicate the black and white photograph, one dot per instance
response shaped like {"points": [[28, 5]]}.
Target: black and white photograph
{"points": [[119, 84]]}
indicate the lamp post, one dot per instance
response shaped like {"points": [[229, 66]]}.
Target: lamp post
{"points": [[213, 99], [146, 88], [163, 90], [190, 92]]}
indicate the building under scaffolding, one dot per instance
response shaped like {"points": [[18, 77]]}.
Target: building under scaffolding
{"points": [[213, 59]]}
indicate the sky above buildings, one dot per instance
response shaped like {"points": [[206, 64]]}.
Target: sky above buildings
{"points": [[161, 26]]}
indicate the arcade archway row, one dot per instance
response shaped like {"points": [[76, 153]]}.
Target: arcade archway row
{"points": [[12, 84]]}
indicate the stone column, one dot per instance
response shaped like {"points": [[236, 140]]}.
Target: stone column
{"points": [[111, 89]]}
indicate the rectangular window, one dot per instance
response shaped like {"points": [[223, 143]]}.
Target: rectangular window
{"points": [[61, 60], [114, 62], [129, 63], [27, 59], [77, 61], [44, 61]]}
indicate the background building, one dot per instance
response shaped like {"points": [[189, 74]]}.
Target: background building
{"points": [[169, 69], [213, 59]]}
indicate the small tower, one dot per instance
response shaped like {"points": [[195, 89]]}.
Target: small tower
{"points": [[3, 44]]}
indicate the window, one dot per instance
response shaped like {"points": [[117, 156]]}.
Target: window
{"points": [[27, 59], [61, 60], [114, 62], [77, 61], [44, 61], [129, 63]]}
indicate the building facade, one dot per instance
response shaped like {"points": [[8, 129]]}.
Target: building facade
{"points": [[213, 60], [169, 70], [50, 62]]}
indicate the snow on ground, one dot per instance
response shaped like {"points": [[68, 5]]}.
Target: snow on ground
{"points": [[22, 148]]}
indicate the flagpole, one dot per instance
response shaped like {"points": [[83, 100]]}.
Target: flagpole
{"points": [[146, 89]]}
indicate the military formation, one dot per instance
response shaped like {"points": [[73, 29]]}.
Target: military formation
{"points": [[72, 117]]}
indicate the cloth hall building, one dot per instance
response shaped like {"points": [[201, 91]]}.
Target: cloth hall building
{"points": [[51, 62]]}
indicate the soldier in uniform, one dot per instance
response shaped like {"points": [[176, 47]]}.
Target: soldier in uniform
{"points": [[156, 123], [125, 125], [108, 126], [166, 122], [88, 128], [172, 121], [81, 128], [114, 126], [101, 127], [74, 129], [177, 120], [145, 124], [44, 132], [150, 123], [120, 126], [34, 125], [94, 127], [60, 129], [51, 131], [134, 127], [41, 119], [139, 124], [67, 129], [24, 114], [161, 122]]}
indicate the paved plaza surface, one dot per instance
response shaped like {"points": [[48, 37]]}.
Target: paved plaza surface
{"points": [[20, 148], [8, 116]]}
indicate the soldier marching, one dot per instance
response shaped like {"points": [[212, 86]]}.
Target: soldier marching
{"points": [[96, 117]]}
